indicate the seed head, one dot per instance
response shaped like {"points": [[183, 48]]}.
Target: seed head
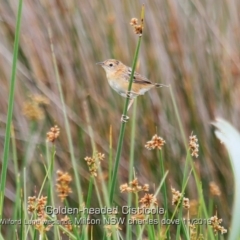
{"points": [[62, 185], [94, 162], [145, 187], [138, 29], [32, 107], [214, 189], [66, 223], [37, 205], [53, 134], [40, 225], [125, 188], [194, 204], [156, 142], [176, 196], [192, 231], [193, 145], [40, 99], [215, 222], [186, 203], [148, 200], [138, 216], [111, 229], [31, 204], [134, 21], [134, 187]]}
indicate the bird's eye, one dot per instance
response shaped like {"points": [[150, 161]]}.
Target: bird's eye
{"points": [[110, 65]]}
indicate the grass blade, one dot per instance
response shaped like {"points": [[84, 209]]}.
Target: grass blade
{"points": [[10, 109]]}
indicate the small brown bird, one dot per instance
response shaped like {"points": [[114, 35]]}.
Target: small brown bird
{"points": [[118, 76]]}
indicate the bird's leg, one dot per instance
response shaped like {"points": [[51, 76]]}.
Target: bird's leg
{"points": [[125, 118], [130, 94], [130, 103]]}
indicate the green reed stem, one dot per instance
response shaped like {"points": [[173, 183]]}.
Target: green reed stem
{"points": [[123, 124], [17, 180], [150, 229], [63, 229], [178, 117], [179, 201], [131, 161], [164, 188], [185, 175], [10, 109], [110, 160], [89, 197], [66, 123], [50, 176], [156, 193]]}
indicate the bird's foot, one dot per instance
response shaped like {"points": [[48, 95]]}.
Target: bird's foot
{"points": [[124, 118], [129, 94]]}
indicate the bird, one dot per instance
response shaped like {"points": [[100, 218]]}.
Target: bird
{"points": [[118, 76]]}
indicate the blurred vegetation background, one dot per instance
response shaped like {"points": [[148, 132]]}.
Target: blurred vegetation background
{"points": [[191, 45]]}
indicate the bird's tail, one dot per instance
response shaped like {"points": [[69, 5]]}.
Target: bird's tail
{"points": [[158, 85]]}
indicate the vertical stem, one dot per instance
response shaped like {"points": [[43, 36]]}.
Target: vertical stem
{"points": [[130, 175], [50, 176], [110, 159], [123, 124], [89, 196], [10, 110], [164, 188], [66, 122]]}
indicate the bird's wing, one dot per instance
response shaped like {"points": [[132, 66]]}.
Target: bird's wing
{"points": [[137, 78]]}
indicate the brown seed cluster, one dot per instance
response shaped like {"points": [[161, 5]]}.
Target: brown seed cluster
{"points": [[148, 201], [53, 134], [134, 21], [215, 222], [194, 207], [138, 28], [40, 225], [134, 187], [193, 145], [214, 189], [32, 204], [156, 142], [192, 231], [37, 205], [32, 107], [138, 216], [186, 203], [177, 197], [40, 99], [94, 162], [66, 222], [111, 229], [62, 185]]}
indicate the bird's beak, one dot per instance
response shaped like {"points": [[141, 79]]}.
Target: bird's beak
{"points": [[100, 63]]}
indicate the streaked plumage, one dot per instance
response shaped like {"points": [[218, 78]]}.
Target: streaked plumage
{"points": [[118, 76]]}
